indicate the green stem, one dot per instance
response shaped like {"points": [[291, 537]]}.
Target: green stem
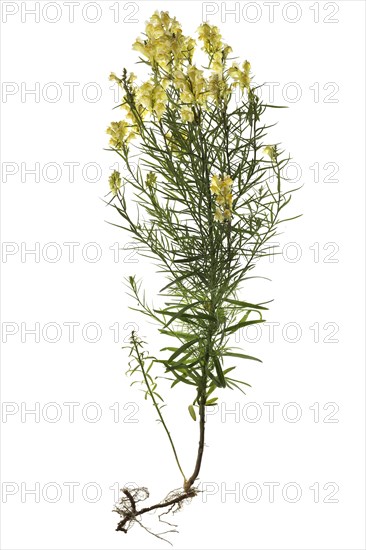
{"points": [[202, 404], [151, 393], [202, 389]]}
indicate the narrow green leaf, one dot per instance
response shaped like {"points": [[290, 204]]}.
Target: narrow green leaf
{"points": [[220, 374], [244, 304], [183, 348], [234, 328], [212, 401], [176, 314], [189, 259], [192, 412], [242, 355], [177, 334]]}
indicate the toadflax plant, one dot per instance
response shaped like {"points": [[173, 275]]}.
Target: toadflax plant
{"points": [[207, 197]]}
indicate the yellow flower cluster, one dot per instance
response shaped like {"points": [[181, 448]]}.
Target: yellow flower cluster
{"points": [[211, 38], [121, 132], [193, 87], [170, 55], [115, 182], [217, 88], [222, 190], [165, 44], [152, 97], [213, 46], [125, 106], [186, 114], [240, 77], [124, 130]]}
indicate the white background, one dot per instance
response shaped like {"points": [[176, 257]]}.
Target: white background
{"points": [[319, 47]]}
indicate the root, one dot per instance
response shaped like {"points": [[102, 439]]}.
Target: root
{"points": [[127, 507]]}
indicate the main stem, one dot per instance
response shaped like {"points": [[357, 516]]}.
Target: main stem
{"points": [[188, 484], [202, 389]]}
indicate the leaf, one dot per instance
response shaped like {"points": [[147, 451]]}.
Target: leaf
{"points": [[192, 412], [183, 379], [182, 349], [214, 379], [244, 304], [242, 355], [177, 334], [220, 374], [158, 395], [239, 382], [176, 314], [241, 324], [178, 280], [189, 259], [211, 401]]}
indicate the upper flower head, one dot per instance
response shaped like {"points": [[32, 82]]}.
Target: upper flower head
{"points": [[165, 45]]}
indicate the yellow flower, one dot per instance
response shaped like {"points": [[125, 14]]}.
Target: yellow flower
{"points": [[271, 151], [227, 49], [215, 179], [191, 85], [240, 78], [198, 82], [140, 46], [152, 97], [227, 180], [217, 88], [211, 38], [225, 190], [120, 133], [154, 31], [187, 114], [218, 215], [217, 62], [187, 97], [188, 49], [234, 71], [159, 109], [113, 76], [115, 182], [144, 95], [131, 78], [165, 82], [214, 188], [221, 188]]}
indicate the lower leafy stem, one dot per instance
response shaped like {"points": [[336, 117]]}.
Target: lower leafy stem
{"points": [[201, 398], [151, 393], [202, 416]]}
